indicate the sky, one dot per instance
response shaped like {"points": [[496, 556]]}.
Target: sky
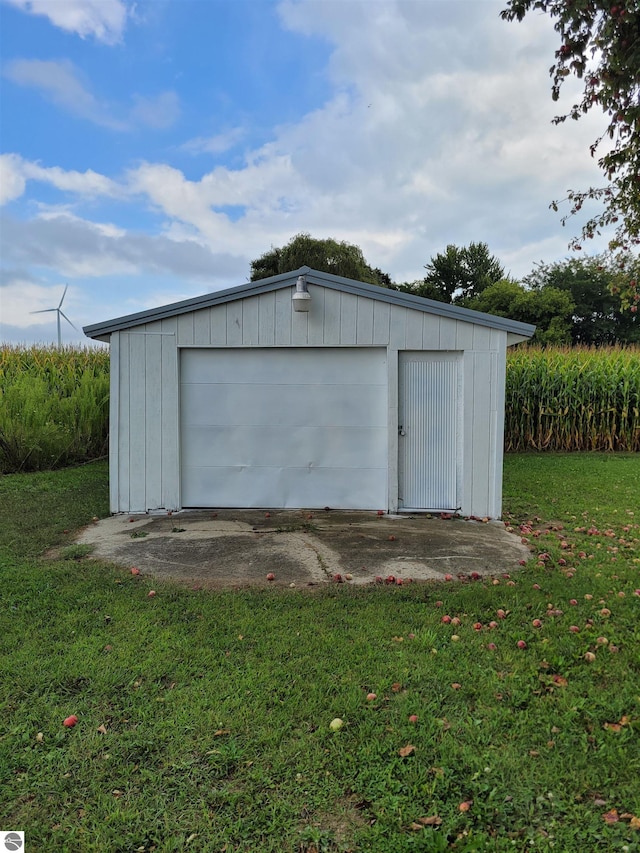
{"points": [[150, 150]]}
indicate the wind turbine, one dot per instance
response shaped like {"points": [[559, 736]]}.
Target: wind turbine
{"points": [[59, 313]]}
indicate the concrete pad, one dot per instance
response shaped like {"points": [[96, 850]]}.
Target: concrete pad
{"points": [[235, 548]]}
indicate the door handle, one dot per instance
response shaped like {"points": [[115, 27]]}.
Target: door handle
{"points": [[401, 430]]}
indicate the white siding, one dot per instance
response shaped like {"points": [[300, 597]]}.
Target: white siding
{"points": [[144, 432]]}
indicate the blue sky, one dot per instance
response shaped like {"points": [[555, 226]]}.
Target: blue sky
{"points": [[150, 150]]}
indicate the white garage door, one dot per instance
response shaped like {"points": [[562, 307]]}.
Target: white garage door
{"points": [[284, 428]]}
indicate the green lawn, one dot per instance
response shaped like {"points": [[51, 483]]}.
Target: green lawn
{"points": [[203, 718]]}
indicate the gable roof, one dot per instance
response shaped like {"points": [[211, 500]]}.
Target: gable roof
{"points": [[333, 282]]}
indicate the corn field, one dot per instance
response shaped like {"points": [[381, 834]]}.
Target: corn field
{"points": [[54, 407], [575, 398], [54, 404]]}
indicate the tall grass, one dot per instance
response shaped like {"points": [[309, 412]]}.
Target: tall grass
{"points": [[569, 399], [54, 406]]}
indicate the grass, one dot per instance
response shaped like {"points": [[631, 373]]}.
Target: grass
{"points": [[204, 717], [54, 406]]}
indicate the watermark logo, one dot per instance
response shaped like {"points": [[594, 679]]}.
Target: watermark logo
{"points": [[13, 841]]}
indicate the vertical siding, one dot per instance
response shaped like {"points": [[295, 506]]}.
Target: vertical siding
{"points": [[392, 397], [397, 331], [218, 326], [413, 330], [331, 323], [464, 336], [315, 318], [348, 319], [299, 327], [364, 321], [267, 319], [498, 380], [186, 331], [283, 317], [114, 421], [124, 380], [234, 324], [430, 332], [447, 333], [170, 426], [153, 420], [250, 322], [144, 432], [201, 329], [381, 321], [137, 423]]}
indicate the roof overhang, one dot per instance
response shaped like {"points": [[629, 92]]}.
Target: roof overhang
{"points": [[516, 331]]}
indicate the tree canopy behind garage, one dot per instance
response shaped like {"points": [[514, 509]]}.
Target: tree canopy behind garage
{"points": [[325, 255]]}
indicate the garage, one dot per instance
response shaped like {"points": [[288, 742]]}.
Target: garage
{"points": [[307, 390], [284, 427]]}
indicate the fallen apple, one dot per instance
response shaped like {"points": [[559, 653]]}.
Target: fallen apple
{"points": [[336, 724], [70, 721], [537, 623], [413, 718], [271, 576], [371, 697], [521, 644], [151, 593]]}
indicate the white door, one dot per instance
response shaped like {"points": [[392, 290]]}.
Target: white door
{"points": [[284, 427], [429, 420]]}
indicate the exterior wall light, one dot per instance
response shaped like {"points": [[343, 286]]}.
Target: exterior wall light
{"points": [[301, 298]]}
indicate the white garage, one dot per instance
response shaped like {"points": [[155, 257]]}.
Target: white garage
{"points": [[367, 398]]}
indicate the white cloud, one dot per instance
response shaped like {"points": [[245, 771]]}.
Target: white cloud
{"points": [[105, 20], [158, 112], [76, 247], [217, 144], [15, 172], [12, 181], [438, 131], [60, 81]]}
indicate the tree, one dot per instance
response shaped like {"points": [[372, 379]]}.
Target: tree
{"points": [[458, 274], [600, 44], [550, 310], [329, 255], [599, 316]]}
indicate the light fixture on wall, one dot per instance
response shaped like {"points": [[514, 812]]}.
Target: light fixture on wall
{"points": [[301, 297]]}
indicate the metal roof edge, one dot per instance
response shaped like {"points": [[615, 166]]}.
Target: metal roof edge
{"points": [[335, 282], [207, 300], [419, 303]]}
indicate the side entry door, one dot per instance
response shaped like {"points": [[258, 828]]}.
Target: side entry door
{"points": [[429, 427]]}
